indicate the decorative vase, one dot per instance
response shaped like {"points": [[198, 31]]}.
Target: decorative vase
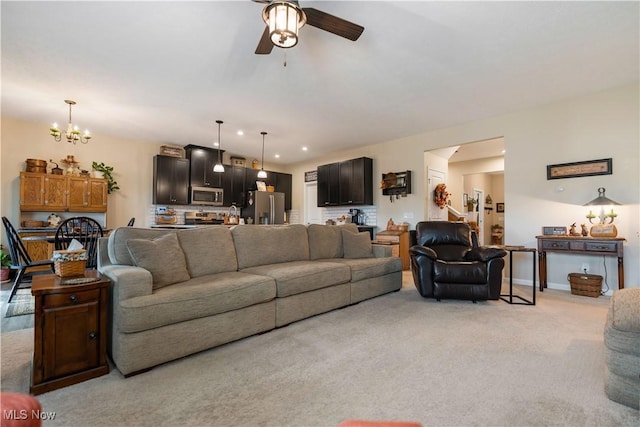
{"points": [[97, 174]]}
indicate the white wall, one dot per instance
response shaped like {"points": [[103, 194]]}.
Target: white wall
{"points": [[132, 162], [600, 125]]}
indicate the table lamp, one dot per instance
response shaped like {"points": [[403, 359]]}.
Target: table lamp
{"points": [[604, 228]]}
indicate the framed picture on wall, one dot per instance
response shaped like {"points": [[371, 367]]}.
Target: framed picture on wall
{"points": [[500, 207]]}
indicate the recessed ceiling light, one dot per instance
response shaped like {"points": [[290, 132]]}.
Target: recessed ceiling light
{"points": [[215, 144], [240, 133], [304, 148], [277, 156], [503, 151]]}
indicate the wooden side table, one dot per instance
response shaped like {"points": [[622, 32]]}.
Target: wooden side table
{"points": [[70, 332], [400, 244]]}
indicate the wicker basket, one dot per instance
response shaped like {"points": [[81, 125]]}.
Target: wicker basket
{"points": [[69, 263], [588, 285], [70, 268]]}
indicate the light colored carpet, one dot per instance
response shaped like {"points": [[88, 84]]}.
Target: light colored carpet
{"points": [[397, 357]]}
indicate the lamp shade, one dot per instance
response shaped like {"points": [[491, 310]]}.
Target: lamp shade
{"points": [[218, 166], [601, 200]]}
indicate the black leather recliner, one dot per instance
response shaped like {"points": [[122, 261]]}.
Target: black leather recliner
{"points": [[447, 263]]}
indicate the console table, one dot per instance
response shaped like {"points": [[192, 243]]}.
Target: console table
{"points": [[607, 246]]}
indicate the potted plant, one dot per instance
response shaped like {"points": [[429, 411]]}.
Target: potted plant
{"points": [[5, 264], [106, 173], [470, 203]]}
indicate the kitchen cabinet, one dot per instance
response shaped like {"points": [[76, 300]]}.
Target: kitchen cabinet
{"points": [[41, 192], [170, 180], [70, 331], [346, 183], [233, 184], [284, 184], [202, 160], [329, 185]]}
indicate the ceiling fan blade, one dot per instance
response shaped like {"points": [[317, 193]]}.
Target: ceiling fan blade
{"points": [[332, 24], [264, 45]]}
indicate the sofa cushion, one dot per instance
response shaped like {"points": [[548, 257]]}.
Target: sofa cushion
{"points": [[325, 241], [117, 244], [208, 250], [356, 245], [367, 268], [199, 297], [162, 257], [270, 244], [303, 276]]}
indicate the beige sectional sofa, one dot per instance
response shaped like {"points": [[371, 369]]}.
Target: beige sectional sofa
{"points": [[177, 292]]}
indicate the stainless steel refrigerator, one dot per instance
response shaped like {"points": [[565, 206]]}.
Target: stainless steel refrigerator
{"points": [[264, 207]]}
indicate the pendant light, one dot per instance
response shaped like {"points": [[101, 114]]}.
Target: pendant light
{"points": [[218, 167], [262, 174]]}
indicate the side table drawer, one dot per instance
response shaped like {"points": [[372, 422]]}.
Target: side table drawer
{"points": [[601, 246], [555, 245], [71, 298]]}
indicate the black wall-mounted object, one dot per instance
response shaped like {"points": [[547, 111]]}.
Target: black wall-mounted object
{"points": [[396, 183]]}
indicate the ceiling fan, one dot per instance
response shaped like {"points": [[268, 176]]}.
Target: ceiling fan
{"points": [[285, 17]]}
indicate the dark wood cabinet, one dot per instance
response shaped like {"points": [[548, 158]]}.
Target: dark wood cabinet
{"points": [[202, 160], [329, 185], [233, 184], [346, 183], [170, 180], [284, 184], [70, 332]]}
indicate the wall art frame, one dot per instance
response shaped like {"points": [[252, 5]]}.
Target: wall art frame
{"points": [[579, 169], [500, 207]]}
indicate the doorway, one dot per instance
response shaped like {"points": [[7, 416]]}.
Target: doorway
{"points": [[312, 213]]}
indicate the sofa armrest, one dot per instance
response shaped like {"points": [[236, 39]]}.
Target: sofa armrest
{"points": [[103, 252], [424, 251], [485, 253], [128, 281], [380, 251]]}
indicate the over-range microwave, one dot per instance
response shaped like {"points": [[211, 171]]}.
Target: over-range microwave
{"points": [[207, 196]]}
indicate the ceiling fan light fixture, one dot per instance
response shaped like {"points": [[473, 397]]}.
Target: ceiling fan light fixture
{"points": [[284, 20]]}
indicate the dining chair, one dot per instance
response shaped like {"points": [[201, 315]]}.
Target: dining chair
{"points": [[85, 230], [21, 260]]}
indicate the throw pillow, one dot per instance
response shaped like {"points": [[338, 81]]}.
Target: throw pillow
{"points": [[356, 245], [163, 257]]}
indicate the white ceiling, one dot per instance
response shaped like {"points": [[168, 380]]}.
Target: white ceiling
{"points": [[165, 71]]}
